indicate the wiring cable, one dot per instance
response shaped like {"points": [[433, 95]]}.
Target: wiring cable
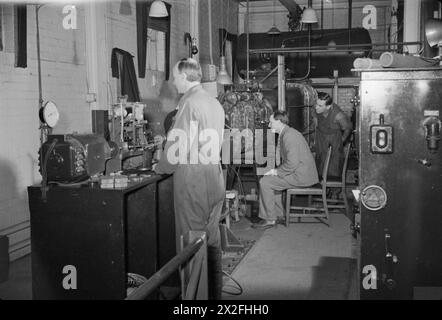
{"points": [[239, 288], [44, 170]]}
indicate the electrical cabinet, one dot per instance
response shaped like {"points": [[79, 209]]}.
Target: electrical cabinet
{"points": [[400, 178]]}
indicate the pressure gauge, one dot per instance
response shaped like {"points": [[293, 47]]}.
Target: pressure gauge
{"points": [[49, 114], [374, 198]]}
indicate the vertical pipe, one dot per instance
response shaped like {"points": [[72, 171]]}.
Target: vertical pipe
{"points": [[40, 94], [209, 3], [322, 14], [336, 86], [248, 44], [281, 83], [350, 18]]}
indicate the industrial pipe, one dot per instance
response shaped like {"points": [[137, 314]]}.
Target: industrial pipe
{"points": [[248, 46], [281, 83], [394, 60], [336, 86], [366, 63], [343, 47]]}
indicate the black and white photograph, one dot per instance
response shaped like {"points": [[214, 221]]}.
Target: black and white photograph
{"points": [[240, 153]]}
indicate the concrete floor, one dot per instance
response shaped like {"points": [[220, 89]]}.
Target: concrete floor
{"points": [[303, 261], [307, 261], [18, 286]]}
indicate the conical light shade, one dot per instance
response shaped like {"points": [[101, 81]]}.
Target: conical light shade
{"points": [[274, 31], [309, 16], [433, 32], [158, 9], [223, 77]]}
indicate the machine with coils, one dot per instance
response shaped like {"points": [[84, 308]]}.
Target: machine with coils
{"points": [[72, 158]]}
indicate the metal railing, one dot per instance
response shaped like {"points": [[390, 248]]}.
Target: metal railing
{"points": [[192, 262]]}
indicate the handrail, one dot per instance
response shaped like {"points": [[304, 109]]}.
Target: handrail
{"points": [[192, 286], [161, 275]]}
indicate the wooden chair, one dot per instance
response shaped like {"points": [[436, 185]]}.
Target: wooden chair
{"points": [[319, 189], [340, 183]]}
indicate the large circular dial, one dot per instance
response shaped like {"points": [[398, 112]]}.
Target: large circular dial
{"points": [[49, 114], [374, 198]]}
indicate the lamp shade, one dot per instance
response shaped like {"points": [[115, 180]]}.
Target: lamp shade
{"points": [[309, 16], [274, 31], [223, 77], [158, 9], [433, 32]]}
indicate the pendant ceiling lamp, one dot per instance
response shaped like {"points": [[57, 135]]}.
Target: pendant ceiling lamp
{"points": [[309, 16], [223, 77], [274, 31], [158, 10]]}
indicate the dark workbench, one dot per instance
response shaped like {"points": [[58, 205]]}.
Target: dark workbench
{"points": [[103, 233]]}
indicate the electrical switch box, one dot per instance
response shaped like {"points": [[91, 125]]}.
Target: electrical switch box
{"points": [[381, 137]]}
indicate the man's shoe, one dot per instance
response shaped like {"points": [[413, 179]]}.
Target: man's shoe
{"points": [[264, 224]]}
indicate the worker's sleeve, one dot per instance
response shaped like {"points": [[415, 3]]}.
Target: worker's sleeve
{"points": [[343, 121], [292, 162], [176, 150]]}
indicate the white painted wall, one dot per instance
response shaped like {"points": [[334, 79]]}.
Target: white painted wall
{"points": [[63, 81]]}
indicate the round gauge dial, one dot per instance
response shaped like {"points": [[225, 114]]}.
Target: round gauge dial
{"points": [[374, 198], [49, 114]]}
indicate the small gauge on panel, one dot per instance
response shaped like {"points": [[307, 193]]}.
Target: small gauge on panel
{"points": [[374, 198], [49, 114]]}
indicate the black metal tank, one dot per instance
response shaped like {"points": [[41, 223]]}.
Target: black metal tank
{"points": [[322, 64]]}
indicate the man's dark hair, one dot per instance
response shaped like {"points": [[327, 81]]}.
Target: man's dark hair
{"points": [[281, 115], [324, 96]]}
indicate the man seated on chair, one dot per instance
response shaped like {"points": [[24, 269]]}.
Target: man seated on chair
{"points": [[297, 169]]}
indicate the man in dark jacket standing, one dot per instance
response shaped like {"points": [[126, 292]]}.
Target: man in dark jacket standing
{"points": [[297, 169], [333, 128], [194, 160]]}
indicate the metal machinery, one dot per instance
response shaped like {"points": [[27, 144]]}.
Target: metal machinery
{"points": [[131, 136], [129, 129], [324, 59], [104, 234], [401, 184], [76, 157], [70, 158]]}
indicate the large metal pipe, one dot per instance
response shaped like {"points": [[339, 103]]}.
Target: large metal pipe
{"points": [[248, 44], [366, 63], [394, 60], [281, 83], [343, 47]]}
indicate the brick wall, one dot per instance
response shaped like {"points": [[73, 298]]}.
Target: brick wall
{"points": [[345, 94]]}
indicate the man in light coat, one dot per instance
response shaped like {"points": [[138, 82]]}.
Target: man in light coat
{"points": [[192, 154]]}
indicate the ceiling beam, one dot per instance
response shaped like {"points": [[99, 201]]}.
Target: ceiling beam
{"points": [[291, 5]]}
